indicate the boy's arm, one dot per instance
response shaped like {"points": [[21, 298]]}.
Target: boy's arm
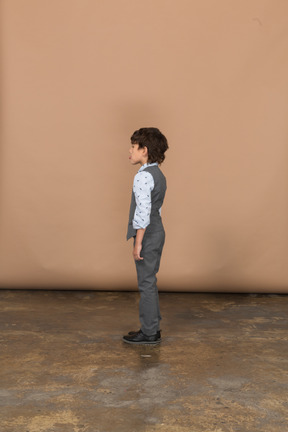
{"points": [[142, 187], [138, 244]]}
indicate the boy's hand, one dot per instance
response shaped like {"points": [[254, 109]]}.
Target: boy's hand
{"points": [[138, 244], [136, 252]]}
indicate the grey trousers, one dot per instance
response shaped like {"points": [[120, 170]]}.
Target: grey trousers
{"points": [[149, 311]]}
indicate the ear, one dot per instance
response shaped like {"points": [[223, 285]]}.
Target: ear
{"points": [[145, 151]]}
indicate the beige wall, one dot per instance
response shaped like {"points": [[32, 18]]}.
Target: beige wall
{"points": [[78, 77]]}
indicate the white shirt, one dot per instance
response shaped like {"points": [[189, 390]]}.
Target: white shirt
{"points": [[142, 187]]}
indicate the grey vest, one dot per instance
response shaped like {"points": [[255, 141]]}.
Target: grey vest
{"points": [[157, 198]]}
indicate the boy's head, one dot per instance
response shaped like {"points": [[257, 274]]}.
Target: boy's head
{"points": [[153, 140]]}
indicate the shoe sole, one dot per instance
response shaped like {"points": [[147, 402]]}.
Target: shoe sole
{"points": [[142, 343]]}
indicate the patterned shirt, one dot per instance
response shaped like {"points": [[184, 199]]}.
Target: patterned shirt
{"points": [[142, 187]]}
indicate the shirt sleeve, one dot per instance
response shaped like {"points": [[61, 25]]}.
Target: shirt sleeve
{"points": [[142, 188]]}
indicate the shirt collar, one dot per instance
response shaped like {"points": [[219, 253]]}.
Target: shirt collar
{"points": [[147, 165]]}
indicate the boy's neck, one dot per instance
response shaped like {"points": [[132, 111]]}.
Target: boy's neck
{"points": [[144, 162]]}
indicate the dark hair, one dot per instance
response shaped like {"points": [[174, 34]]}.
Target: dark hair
{"points": [[155, 142]]}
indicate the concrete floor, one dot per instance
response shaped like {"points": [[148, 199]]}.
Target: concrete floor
{"points": [[222, 365]]}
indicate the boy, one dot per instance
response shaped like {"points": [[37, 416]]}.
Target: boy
{"points": [[148, 146]]}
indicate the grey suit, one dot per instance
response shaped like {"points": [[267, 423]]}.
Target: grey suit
{"points": [[152, 246]]}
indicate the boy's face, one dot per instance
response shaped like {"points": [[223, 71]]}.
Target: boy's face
{"points": [[138, 155]]}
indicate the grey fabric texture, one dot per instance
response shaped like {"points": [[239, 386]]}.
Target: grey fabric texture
{"points": [[149, 310], [157, 198]]}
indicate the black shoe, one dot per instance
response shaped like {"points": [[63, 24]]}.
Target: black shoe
{"points": [[141, 339], [133, 333]]}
